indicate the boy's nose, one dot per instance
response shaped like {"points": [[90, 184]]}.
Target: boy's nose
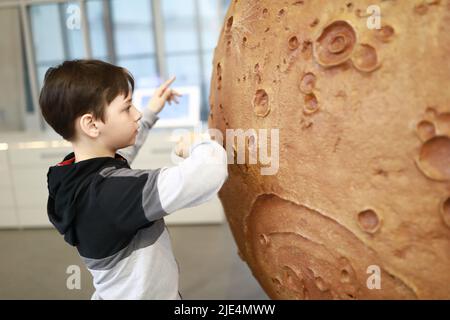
{"points": [[139, 115]]}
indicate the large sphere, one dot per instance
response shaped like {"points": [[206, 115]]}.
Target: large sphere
{"points": [[363, 114]]}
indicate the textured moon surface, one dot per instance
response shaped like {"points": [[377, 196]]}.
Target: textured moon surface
{"points": [[359, 207]]}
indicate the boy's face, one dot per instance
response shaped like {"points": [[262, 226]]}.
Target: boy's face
{"points": [[121, 123]]}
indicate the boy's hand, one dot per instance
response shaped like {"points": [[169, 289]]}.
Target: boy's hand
{"points": [[185, 142], [162, 95]]}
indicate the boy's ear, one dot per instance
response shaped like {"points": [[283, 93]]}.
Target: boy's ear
{"points": [[89, 126]]}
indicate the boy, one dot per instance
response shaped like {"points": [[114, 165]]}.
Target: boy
{"points": [[112, 214]]}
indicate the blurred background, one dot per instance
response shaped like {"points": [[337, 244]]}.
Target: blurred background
{"points": [[154, 39]]}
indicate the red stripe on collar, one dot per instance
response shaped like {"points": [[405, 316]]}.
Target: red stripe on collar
{"points": [[72, 160], [67, 162]]}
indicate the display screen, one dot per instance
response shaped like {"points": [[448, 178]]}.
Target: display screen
{"points": [[186, 113]]}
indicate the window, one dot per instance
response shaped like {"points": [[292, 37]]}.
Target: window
{"points": [[180, 26], [122, 32], [13, 103], [97, 32], [211, 23], [191, 30], [57, 35], [47, 37], [71, 26], [134, 43]]}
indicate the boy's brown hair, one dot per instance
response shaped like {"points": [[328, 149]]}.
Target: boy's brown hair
{"points": [[78, 87]]}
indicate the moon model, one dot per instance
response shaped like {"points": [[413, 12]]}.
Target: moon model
{"points": [[359, 91]]}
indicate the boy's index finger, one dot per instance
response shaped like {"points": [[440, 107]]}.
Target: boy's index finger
{"points": [[166, 84]]}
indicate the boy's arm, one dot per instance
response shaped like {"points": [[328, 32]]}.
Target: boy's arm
{"points": [[147, 121], [196, 179], [137, 197]]}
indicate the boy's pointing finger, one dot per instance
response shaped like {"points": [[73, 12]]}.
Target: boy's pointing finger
{"points": [[166, 84]]}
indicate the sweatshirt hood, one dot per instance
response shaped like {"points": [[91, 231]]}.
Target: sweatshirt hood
{"points": [[65, 181]]}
